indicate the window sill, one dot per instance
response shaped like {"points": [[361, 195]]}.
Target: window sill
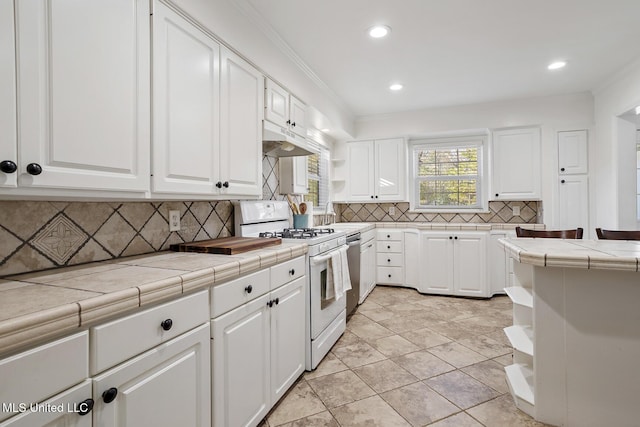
{"points": [[450, 211]]}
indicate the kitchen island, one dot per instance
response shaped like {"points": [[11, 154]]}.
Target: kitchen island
{"points": [[576, 331]]}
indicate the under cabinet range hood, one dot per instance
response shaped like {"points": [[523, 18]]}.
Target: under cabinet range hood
{"points": [[280, 142]]}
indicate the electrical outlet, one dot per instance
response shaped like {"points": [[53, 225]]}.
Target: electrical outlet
{"points": [[516, 211], [392, 211], [174, 220]]}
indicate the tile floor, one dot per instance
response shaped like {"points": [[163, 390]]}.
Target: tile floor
{"points": [[408, 359]]}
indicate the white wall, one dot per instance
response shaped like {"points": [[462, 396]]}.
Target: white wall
{"points": [[552, 114], [226, 20], [614, 154]]}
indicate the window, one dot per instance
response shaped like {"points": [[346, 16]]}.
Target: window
{"points": [[447, 174], [318, 178]]}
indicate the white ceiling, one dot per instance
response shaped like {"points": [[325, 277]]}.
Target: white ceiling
{"points": [[451, 52]]}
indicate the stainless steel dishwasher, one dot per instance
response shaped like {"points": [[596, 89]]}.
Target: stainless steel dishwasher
{"points": [[353, 257]]}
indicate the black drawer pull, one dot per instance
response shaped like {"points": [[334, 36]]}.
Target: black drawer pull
{"points": [[388, 247], [166, 324], [292, 272], [388, 259], [277, 301], [110, 395], [389, 276], [248, 289], [85, 406]]}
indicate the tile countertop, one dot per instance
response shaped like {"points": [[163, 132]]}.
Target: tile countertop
{"points": [[586, 254], [435, 226], [44, 305]]}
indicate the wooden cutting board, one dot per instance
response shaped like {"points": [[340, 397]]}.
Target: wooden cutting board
{"points": [[227, 245]]}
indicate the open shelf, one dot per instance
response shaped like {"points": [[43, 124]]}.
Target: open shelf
{"points": [[520, 380], [520, 295], [521, 338]]}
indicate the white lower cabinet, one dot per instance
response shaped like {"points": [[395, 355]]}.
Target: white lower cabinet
{"points": [[367, 266], [258, 351], [412, 258], [453, 263], [500, 265], [390, 253]]}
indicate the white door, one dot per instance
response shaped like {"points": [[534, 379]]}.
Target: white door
{"points": [[276, 108], [8, 136], [186, 101], [390, 169], [412, 259], [241, 365], [573, 201], [516, 164], [297, 115], [287, 336], [84, 91], [241, 113], [169, 385], [361, 171], [75, 403], [436, 262], [469, 263], [572, 152]]}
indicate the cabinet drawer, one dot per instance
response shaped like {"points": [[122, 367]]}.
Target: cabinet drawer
{"points": [[233, 294], [393, 275], [121, 339], [36, 374], [287, 271], [367, 235], [389, 247], [390, 260], [389, 235]]}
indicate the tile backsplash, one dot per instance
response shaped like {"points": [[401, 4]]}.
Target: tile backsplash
{"points": [[499, 212]]}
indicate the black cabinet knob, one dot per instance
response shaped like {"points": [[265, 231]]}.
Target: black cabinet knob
{"points": [[389, 276], [388, 236], [292, 272], [226, 184], [293, 124], [561, 169], [563, 181], [456, 237], [270, 303], [376, 197], [450, 237], [372, 197], [219, 184], [34, 169], [110, 395], [248, 289], [497, 195], [7, 166], [85, 406], [388, 259], [388, 247], [288, 122], [277, 301], [166, 324]]}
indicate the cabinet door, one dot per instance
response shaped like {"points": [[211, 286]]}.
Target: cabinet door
{"points": [[297, 115], [84, 92], [8, 137], [498, 267], [185, 101], [276, 108], [73, 403], [436, 262], [573, 202], [572, 152], [390, 170], [287, 336], [361, 171], [367, 269], [169, 385], [241, 365], [293, 175], [411, 258], [470, 263], [516, 164], [242, 96]]}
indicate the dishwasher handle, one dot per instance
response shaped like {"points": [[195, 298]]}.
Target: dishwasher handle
{"points": [[354, 243]]}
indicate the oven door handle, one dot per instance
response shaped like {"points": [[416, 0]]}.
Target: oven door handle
{"points": [[320, 259]]}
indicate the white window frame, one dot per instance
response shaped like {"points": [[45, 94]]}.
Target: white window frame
{"points": [[324, 192], [434, 143]]}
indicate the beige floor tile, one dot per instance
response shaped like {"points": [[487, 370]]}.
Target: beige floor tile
{"points": [[461, 389], [458, 420], [385, 375], [500, 337], [501, 412], [346, 339], [340, 388], [329, 365], [370, 330], [490, 373], [423, 364], [323, 419], [395, 345], [505, 360], [485, 346], [370, 412], [369, 305], [300, 402], [425, 337], [377, 314], [402, 324], [358, 354], [456, 354], [451, 330], [418, 404]]}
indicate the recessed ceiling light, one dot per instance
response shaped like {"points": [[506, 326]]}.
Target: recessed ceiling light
{"points": [[379, 31], [325, 130], [396, 86], [556, 65]]}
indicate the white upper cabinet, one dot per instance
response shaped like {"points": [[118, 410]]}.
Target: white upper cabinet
{"points": [[241, 114], [376, 170], [516, 164], [185, 105], [284, 109], [84, 94], [8, 136], [572, 152]]}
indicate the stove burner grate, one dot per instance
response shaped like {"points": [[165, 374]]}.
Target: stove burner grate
{"points": [[298, 233]]}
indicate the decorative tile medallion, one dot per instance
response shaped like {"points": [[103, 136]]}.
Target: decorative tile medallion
{"points": [[59, 239]]}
